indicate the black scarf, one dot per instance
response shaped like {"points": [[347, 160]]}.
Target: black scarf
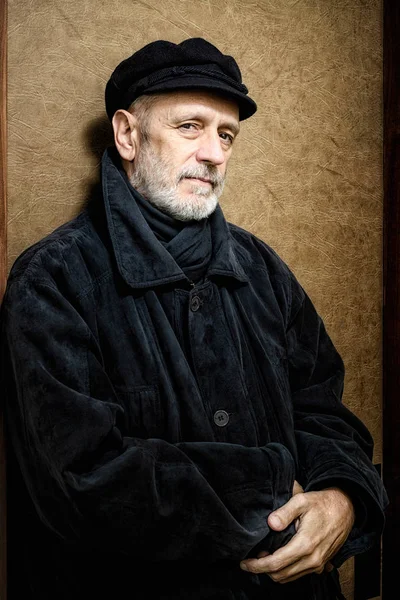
{"points": [[188, 242]]}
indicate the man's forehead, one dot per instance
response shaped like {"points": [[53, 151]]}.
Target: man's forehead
{"points": [[186, 104]]}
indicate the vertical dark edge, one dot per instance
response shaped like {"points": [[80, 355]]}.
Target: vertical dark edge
{"points": [[3, 272], [391, 289], [367, 569]]}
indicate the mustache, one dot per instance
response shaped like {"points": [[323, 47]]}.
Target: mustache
{"points": [[203, 172]]}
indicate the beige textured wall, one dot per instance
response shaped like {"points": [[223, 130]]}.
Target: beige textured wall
{"points": [[306, 174]]}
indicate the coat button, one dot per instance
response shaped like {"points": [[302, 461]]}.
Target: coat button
{"points": [[221, 418], [195, 303]]}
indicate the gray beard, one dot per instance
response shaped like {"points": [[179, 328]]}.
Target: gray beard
{"points": [[150, 179]]}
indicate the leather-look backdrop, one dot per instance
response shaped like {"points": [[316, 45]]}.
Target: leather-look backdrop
{"points": [[306, 170]]}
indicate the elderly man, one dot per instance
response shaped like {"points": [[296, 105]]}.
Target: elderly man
{"points": [[173, 401]]}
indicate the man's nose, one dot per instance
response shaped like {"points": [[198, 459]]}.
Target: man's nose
{"points": [[210, 149]]}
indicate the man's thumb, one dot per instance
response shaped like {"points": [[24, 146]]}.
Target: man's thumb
{"points": [[281, 518]]}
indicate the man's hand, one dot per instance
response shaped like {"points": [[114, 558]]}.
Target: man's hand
{"points": [[323, 522]]}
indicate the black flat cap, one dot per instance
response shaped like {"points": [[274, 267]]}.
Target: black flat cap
{"points": [[163, 66]]}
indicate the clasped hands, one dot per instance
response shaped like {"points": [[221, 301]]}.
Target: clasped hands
{"points": [[323, 521]]}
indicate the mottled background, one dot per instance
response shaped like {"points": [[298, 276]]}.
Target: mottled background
{"points": [[306, 172]]}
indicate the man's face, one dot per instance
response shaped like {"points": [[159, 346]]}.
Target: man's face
{"points": [[181, 162]]}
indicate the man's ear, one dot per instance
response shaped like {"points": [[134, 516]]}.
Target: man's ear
{"points": [[126, 136]]}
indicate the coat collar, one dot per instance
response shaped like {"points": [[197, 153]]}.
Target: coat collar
{"points": [[141, 259]]}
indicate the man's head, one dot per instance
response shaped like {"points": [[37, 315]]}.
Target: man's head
{"points": [[175, 110]]}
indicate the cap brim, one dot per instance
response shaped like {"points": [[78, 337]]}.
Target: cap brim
{"points": [[247, 106]]}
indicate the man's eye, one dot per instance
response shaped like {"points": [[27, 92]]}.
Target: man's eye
{"points": [[188, 126], [226, 137]]}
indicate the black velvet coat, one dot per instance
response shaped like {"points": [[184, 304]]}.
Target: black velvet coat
{"points": [[153, 425]]}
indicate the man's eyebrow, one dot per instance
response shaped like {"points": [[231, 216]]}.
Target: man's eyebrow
{"points": [[234, 127]]}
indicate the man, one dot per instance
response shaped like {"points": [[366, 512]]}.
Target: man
{"points": [[173, 401]]}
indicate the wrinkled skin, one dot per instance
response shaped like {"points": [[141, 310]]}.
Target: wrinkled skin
{"points": [[323, 522]]}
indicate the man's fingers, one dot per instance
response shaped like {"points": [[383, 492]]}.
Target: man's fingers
{"points": [[276, 568], [281, 559], [288, 563]]}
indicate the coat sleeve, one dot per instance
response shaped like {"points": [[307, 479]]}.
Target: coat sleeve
{"points": [[334, 446], [89, 483]]}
